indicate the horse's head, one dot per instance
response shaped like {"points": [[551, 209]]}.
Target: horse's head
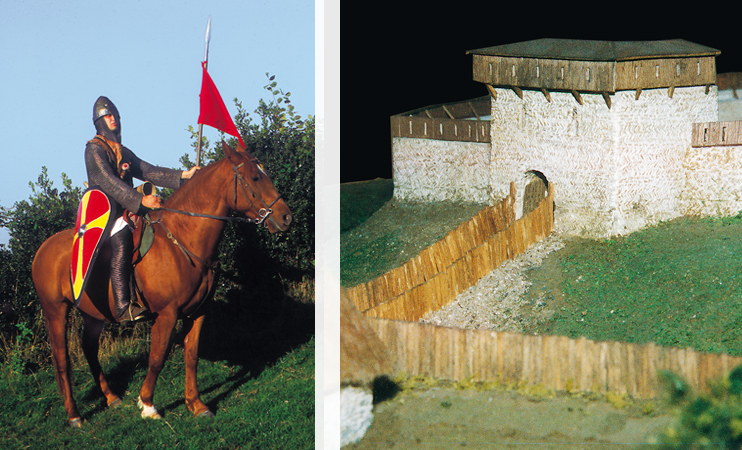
{"points": [[254, 194]]}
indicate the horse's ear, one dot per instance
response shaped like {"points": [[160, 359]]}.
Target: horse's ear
{"points": [[228, 152], [240, 147]]}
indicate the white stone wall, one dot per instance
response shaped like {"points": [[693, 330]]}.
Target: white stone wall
{"points": [[653, 138], [730, 106], [432, 170], [713, 185], [567, 142], [616, 170]]}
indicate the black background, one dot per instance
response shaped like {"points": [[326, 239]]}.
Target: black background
{"points": [[400, 56]]}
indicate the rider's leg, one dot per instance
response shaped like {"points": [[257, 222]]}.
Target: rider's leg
{"points": [[122, 246]]}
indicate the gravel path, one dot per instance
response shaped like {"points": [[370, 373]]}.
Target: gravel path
{"points": [[498, 300]]}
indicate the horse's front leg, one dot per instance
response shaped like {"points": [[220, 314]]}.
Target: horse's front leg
{"points": [[162, 331], [55, 317], [192, 400], [92, 329]]}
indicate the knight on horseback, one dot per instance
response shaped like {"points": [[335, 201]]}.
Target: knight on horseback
{"points": [[111, 167]]}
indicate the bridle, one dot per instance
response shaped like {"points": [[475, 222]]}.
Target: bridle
{"points": [[263, 213]]}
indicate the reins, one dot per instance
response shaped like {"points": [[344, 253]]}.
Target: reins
{"points": [[263, 213]]}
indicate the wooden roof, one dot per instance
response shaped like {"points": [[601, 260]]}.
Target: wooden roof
{"points": [[589, 50]]}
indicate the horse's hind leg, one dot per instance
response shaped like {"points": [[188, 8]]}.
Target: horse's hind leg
{"points": [[92, 329], [56, 324]]}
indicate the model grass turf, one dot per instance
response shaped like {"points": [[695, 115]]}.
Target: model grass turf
{"points": [[675, 284]]}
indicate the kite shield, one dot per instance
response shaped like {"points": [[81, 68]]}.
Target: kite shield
{"points": [[94, 221]]}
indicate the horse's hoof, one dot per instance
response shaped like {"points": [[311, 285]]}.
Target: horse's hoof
{"points": [[116, 403], [208, 414], [148, 412], [75, 423]]}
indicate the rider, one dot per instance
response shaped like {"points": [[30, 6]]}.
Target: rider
{"points": [[111, 167]]}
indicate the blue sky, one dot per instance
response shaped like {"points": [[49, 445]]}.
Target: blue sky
{"points": [[58, 57]]}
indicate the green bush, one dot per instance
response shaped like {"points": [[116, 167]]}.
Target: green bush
{"points": [[711, 420], [284, 142], [29, 223]]}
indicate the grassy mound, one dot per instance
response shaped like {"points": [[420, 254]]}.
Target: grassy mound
{"points": [[390, 234]]}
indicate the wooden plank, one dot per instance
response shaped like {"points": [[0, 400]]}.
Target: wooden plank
{"points": [[713, 134]]}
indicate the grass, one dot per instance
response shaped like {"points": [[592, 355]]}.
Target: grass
{"points": [[256, 372], [387, 235], [359, 200], [677, 284], [274, 409]]}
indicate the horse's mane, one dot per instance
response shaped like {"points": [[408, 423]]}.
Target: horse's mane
{"points": [[193, 186], [190, 187]]}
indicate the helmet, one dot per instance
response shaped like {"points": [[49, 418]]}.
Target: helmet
{"points": [[103, 107]]}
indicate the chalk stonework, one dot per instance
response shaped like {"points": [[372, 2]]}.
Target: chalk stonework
{"points": [[616, 170], [435, 170]]}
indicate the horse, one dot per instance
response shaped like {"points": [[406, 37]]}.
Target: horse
{"points": [[175, 277]]}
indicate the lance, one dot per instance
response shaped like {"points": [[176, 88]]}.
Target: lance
{"points": [[206, 66]]}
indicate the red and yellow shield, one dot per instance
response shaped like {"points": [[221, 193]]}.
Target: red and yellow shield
{"points": [[94, 220]]}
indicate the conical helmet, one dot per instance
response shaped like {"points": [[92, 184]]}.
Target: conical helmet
{"points": [[103, 107]]}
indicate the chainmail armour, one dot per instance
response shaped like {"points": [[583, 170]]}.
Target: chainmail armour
{"points": [[112, 167]]}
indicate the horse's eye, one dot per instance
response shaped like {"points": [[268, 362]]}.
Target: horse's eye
{"points": [[256, 178]]}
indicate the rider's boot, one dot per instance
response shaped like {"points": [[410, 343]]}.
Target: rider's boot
{"points": [[127, 307]]}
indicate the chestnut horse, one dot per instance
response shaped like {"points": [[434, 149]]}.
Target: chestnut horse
{"points": [[175, 277]]}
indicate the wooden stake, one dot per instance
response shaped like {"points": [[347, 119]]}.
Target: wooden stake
{"points": [[607, 99], [547, 95], [577, 97]]}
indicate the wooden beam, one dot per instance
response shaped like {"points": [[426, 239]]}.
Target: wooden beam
{"points": [[471, 107], [518, 91], [492, 90], [448, 112], [427, 113], [638, 93], [607, 99], [547, 95], [577, 97]]}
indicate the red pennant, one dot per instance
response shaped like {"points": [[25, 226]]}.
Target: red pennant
{"points": [[213, 112]]}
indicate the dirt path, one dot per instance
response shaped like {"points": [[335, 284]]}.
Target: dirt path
{"points": [[448, 418]]}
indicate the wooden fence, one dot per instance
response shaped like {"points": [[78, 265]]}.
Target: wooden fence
{"points": [[442, 271], [554, 362]]}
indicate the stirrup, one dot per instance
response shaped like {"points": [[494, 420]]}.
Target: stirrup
{"points": [[132, 313]]}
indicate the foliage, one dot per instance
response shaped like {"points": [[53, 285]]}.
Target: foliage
{"points": [[284, 142], [30, 222], [712, 420]]}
